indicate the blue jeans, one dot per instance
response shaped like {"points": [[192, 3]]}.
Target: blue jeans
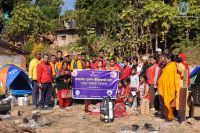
{"points": [[46, 94], [35, 93]]}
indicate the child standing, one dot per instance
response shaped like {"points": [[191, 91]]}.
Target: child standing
{"points": [[144, 95], [134, 83]]}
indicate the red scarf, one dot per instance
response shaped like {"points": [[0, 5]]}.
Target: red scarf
{"points": [[182, 56]]}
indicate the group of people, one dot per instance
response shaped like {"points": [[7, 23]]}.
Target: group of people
{"points": [[160, 75]]}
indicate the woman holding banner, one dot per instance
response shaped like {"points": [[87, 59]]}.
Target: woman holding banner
{"points": [[100, 66], [113, 66]]}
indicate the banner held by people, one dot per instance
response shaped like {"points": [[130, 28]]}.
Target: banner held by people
{"points": [[90, 84]]}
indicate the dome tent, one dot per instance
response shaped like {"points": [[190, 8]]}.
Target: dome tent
{"points": [[15, 79], [195, 84], [195, 75]]}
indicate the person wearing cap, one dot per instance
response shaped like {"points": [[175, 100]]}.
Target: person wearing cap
{"points": [[67, 59], [158, 51], [75, 63]]}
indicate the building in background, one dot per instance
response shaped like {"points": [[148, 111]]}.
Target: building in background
{"points": [[10, 54], [68, 33]]}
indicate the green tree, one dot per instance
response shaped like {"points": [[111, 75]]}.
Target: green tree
{"points": [[103, 15], [50, 8], [27, 19]]}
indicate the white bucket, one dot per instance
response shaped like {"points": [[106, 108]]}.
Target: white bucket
{"points": [[20, 101]]}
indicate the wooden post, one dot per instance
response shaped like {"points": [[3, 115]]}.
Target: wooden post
{"points": [[185, 79], [86, 105], [183, 97]]}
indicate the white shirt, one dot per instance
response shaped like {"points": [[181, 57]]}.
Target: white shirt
{"points": [[134, 81]]}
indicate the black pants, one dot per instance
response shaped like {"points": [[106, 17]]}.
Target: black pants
{"points": [[46, 94], [35, 93]]}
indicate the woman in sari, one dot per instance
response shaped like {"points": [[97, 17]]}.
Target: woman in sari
{"points": [[167, 86], [64, 82]]}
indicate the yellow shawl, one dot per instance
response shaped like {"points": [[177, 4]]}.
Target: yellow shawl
{"points": [[167, 86], [79, 64]]}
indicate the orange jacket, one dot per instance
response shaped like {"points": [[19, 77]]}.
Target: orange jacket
{"points": [[152, 74], [44, 73], [116, 67], [126, 72]]}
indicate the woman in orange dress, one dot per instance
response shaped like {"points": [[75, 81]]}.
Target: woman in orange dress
{"points": [[113, 66]]}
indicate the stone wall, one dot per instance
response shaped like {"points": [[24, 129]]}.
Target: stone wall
{"points": [[65, 37], [19, 60]]}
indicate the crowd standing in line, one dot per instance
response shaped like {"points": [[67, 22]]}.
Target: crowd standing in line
{"points": [[152, 83]]}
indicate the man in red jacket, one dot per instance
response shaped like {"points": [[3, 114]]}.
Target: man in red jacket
{"points": [[44, 78]]}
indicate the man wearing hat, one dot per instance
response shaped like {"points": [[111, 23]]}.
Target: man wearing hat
{"points": [[67, 59]]}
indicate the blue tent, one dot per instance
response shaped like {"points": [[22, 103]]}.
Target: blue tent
{"points": [[15, 79], [195, 75]]}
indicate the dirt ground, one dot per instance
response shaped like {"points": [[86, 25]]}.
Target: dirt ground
{"points": [[75, 120]]}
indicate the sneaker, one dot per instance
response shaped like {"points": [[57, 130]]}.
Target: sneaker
{"points": [[40, 108], [159, 113], [34, 107], [46, 108], [152, 109]]}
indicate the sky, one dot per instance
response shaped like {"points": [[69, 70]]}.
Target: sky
{"points": [[68, 5]]}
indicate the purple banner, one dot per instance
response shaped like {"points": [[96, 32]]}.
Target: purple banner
{"points": [[94, 84]]}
